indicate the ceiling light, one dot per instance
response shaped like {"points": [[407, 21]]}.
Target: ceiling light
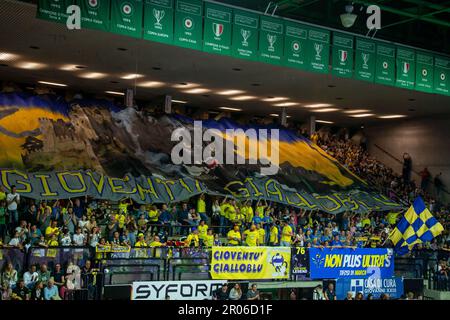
{"points": [[327, 110], [230, 92], [318, 105], [230, 109], [324, 121], [6, 56], [356, 111], [348, 19], [30, 65], [115, 93], [132, 76], [197, 91], [286, 104], [185, 85], [394, 116], [151, 84], [179, 101], [92, 75], [243, 98], [277, 115], [363, 115], [53, 84], [274, 99], [71, 67]]}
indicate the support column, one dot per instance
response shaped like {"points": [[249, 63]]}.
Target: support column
{"points": [[311, 125], [168, 104], [129, 98], [283, 118]]}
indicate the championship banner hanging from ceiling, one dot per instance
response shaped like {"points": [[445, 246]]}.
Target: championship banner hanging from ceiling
{"points": [[226, 30]]}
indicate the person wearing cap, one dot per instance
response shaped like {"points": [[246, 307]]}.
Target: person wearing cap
{"points": [[193, 239], [141, 241]]}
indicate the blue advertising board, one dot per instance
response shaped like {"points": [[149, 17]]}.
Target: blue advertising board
{"points": [[373, 285], [330, 263]]}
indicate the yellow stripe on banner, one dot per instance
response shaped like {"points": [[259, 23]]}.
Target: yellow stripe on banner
{"points": [[425, 215], [409, 233], [436, 229], [422, 230], [396, 236], [252, 263], [411, 215]]}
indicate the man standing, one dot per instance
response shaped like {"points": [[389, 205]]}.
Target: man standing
{"points": [[12, 201], [286, 235]]}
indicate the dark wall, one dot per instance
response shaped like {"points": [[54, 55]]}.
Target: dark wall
{"points": [[426, 140]]}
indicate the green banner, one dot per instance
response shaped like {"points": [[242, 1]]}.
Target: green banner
{"points": [[126, 17], [95, 14], [365, 58], [424, 72], [189, 24], [54, 10], [158, 20], [295, 44], [318, 50], [406, 68], [385, 65], [342, 55], [442, 75], [217, 30], [245, 35], [271, 40]]}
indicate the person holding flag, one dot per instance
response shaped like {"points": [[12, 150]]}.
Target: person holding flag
{"points": [[417, 226]]}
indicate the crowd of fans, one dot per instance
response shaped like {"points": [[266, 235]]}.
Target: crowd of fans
{"points": [[201, 222]]}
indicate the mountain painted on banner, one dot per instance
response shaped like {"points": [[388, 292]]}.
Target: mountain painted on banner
{"points": [[44, 133]]}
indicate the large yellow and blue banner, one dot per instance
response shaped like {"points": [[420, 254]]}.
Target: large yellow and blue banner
{"points": [[51, 148], [330, 263], [250, 263]]}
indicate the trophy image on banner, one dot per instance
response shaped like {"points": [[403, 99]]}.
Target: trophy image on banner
{"points": [[343, 55], [318, 47], [365, 57], [406, 67], [159, 15], [245, 35], [272, 39]]}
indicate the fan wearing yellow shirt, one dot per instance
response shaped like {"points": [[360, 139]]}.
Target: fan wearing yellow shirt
{"points": [[232, 212], [249, 214], [123, 205], [140, 243], [234, 236], [209, 239], [120, 218], [201, 207], [153, 215], [260, 209], [261, 235], [156, 242], [273, 235], [251, 236], [51, 230], [53, 242], [202, 230], [223, 216], [286, 235], [193, 239]]}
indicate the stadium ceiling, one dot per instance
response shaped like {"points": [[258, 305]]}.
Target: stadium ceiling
{"points": [[94, 62], [421, 23]]}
